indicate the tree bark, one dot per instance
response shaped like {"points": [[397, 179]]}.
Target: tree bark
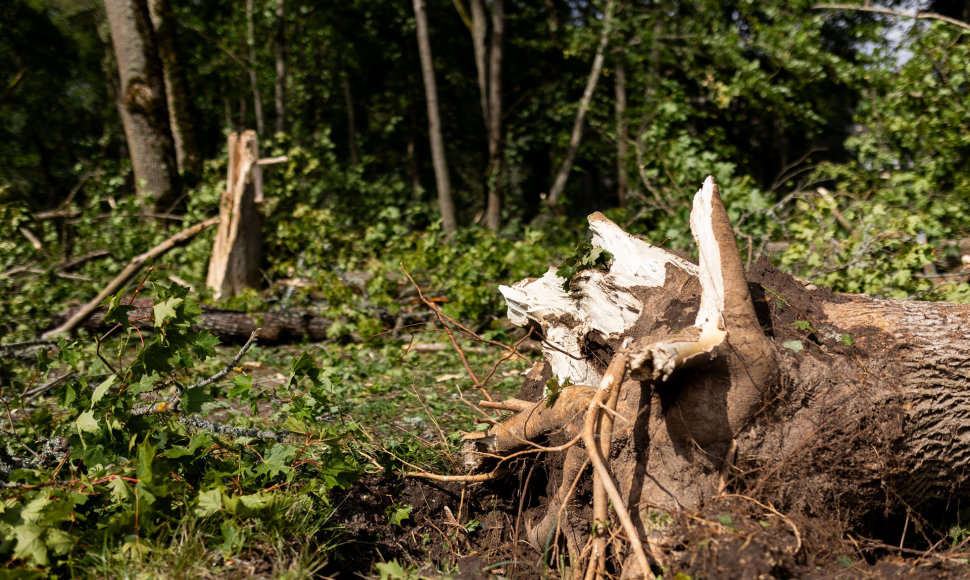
{"points": [[810, 401], [445, 202], [559, 184], [495, 116], [351, 122], [280, 85], [488, 66], [143, 104], [253, 78], [187, 154], [622, 144], [231, 326]]}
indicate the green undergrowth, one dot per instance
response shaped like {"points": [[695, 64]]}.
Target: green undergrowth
{"points": [[134, 464]]}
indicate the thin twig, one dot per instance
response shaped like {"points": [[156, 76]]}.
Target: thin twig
{"points": [[230, 366], [451, 336]]}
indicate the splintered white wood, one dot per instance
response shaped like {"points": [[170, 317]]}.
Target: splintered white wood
{"points": [[709, 253], [635, 262], [599, 301], [660, 359]]}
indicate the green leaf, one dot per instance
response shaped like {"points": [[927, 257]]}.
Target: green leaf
{"points": [[120, 491], [32, 510], [241, 384], [100, 391], [87, 423], [59, 542], [397, 513], [391, 570], [804, 325], [793, 345], [118, 312], [30, 544], [277, 460], [204, 345], [155, 358], [144, 457], [192, 400], [210, 502], [725, 519], [257, 501], [165, 311], [847, 340]]}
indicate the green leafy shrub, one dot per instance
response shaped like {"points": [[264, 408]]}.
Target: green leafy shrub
{"points": [[127, 456]]}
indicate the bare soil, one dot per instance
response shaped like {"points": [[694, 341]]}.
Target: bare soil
{"points": [[731, 536]]}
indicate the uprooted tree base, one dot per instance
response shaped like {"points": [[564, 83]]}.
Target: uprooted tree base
{"points": [[688, 388]]}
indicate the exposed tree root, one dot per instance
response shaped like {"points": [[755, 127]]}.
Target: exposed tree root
{"points": [[705, 384]]}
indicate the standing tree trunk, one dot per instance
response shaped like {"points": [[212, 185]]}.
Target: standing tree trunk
{"points": [[187, 153], [622, 145], [351, 122], [488, 66], [445, 203], [280, 85], [143, 104], [253, 78], [495, 114], [559, 185]]}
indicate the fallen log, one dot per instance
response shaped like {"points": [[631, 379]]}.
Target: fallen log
{"points": [[235, 327], [695, 379]]}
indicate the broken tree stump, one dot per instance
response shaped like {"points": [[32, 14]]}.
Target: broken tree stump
{"points": [[237, 249], [713, 379]]}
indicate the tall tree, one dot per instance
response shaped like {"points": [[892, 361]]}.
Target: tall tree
{"points": [[445, 202], [559, 185], [143, 104], [622, 147], [488, 65], [187, 153], [253, 78], [280, 50]]}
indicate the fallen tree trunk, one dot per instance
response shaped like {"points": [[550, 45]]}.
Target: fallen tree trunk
{"points": [[828, 404], [235, 327]]}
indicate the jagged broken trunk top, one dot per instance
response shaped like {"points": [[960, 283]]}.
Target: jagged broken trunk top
{"points": [[755, 381]]}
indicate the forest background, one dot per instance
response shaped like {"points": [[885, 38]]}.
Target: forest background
{"points": [[839, 135]]}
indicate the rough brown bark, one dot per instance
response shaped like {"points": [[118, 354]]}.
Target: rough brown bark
{"points": [[187, 153], [143, 103], [493, 172], [438, 158], [843, 405], [622, 146]]}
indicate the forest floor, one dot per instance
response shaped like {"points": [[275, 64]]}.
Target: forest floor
{"points": [[414, 404], [477, 532]]}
